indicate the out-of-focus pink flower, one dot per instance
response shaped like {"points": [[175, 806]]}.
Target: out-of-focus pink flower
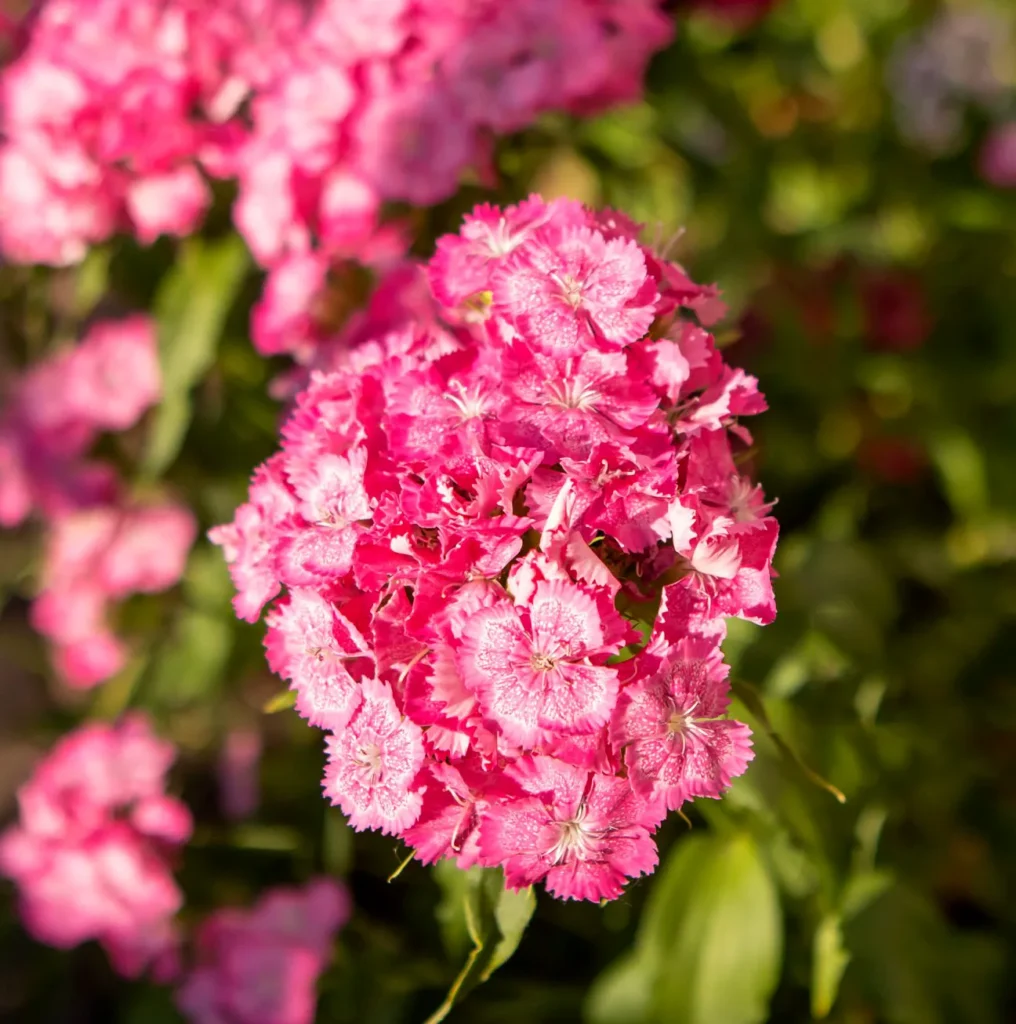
{"points": [[239, 764], [113, 375], [998, 156], [97, 555], [90, 852], [260, 966]]}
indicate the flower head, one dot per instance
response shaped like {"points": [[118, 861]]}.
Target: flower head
{"points": [[477, 512]]}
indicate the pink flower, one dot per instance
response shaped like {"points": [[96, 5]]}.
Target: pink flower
{"points": [[477, 504], [565, 295], [998, 157], [534, 668], [317, 649], [260, 966], [677, 742], [583, 833], [373, 762], [90, 852], [95, 556], [114, 375]]}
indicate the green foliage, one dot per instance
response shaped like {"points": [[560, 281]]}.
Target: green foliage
{"points": [[709, 944], [477, 906], [190, 308]]}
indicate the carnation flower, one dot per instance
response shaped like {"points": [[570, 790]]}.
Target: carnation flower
{"points": [[260, 966], [508, 525], [90, 853]]}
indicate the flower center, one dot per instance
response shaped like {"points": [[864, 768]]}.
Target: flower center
{"points": [[368, 757], [575, 841], [542, 662]]}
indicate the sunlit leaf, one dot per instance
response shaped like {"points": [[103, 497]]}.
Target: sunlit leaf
{"points": [[190, 309]]}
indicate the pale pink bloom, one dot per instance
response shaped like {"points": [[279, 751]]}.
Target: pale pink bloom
{"points": [[580, 291], [260, 966], [171, 203], [90, 852], [97, 555], [321, 653], [678, 743], [114, 373], [373, 762], [581, 833], [538, 670]]}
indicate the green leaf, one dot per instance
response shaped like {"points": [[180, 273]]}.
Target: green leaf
{"points": [[752, 700], [191, 663], [709, 946], [621, 994], [493, 917], [190, 308], [282, 701], [726, 948], [829, 961]]}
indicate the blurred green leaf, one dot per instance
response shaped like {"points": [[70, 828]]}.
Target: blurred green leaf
{"points": [[752, 700], [190, 308], [709, 946], [282, 701], [189, 667], [829, 961]]}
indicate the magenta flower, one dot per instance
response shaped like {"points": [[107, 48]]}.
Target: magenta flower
{"points": [[534, 668], [582, 833], [678, 743], [260, 966], [467, 508], [90, 853], [566, 294]]}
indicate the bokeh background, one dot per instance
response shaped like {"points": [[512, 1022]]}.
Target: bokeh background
{"points": [[839, 168]]}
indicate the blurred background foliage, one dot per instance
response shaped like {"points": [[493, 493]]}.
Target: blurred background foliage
{"points": [[859, 871]]}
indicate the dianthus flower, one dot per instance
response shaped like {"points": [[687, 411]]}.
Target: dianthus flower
{"points": [[508, 533], [99, 547], [321, 110], [91, 851], [260, 966], [57, 409]]}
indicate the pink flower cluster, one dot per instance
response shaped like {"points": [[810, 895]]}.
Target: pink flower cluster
{"points": [[99, 546], [509, 535], [260, 966], [90, 853], [322, 110], [998, 156]]}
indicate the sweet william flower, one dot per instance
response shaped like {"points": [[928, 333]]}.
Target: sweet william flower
{"points": [[91, 851], [260, 965], [373, 761], [580, 832], [469, 502], [678, 743], [533, 668]]}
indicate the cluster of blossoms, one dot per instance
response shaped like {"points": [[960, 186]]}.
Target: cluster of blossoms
{"points": [[998, 156], [100, 547], [963, 58], [321, 110], [90, 853], [509, 533], [260, 966]]}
